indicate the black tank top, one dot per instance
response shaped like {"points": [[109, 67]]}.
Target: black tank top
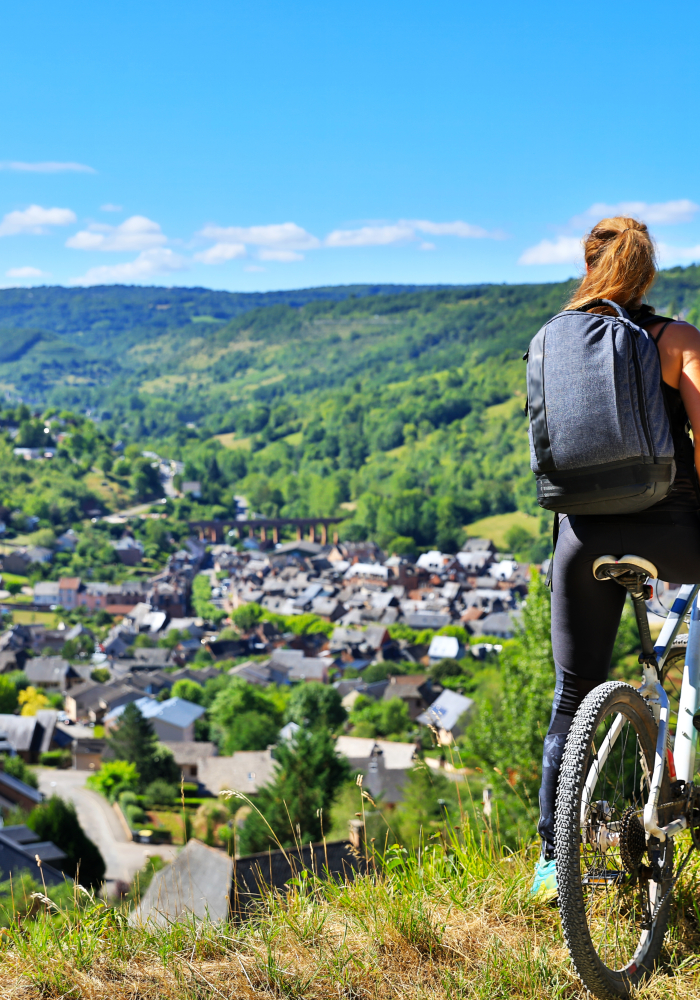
{"points": [[684, 494]]}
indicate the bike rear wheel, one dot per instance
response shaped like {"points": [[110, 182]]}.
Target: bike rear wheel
{"points": [[614, 887]]}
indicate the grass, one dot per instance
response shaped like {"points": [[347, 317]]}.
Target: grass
{"points": [[231, 441], [497, 527], [47, 618], [453, 921]]}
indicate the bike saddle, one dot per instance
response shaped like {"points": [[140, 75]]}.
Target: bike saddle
{"points": [[610, 568]]}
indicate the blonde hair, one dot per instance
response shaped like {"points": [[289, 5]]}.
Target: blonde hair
{"points": [[621, 262]]}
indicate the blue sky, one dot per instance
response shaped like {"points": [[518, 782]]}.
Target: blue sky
{"points": [[262, 145]]}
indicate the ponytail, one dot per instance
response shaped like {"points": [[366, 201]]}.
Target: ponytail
{"points": [[621, 263]]}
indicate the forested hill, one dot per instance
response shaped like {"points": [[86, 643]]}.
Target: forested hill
{"points": [[404, 405]]}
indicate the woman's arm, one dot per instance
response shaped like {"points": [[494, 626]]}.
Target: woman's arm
{"points": [[686, 341]]}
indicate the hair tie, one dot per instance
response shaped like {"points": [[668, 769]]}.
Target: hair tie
{"points": [[625, 230]]}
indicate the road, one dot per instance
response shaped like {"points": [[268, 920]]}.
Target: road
{"points": [[100, 822]]}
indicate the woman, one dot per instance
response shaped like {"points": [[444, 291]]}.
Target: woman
{"points": [[620, 266]]}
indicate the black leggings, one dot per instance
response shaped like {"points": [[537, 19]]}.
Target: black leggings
{"points": [[586, 614]]}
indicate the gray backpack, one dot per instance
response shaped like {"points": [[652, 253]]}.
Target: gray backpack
{"points": [[600, 438]]}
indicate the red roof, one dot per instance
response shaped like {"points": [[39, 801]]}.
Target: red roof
{"points": [[69, 583]]}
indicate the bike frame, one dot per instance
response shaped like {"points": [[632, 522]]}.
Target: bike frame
{"points": [[685, 745]]}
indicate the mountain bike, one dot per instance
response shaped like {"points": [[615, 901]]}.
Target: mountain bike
{"points": [[628, 811]]}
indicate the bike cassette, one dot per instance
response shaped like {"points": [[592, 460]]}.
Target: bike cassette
{"points": [[633, 843]]}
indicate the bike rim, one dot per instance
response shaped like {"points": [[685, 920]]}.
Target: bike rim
{"points": [[620, 876]]}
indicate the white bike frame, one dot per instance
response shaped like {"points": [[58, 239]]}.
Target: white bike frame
{"points": [[685, 746]]}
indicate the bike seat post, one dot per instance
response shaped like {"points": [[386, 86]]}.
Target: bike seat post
{"points": [[639, 597]]}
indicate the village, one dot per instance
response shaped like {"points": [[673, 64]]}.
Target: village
{"points": [[374, 627]]}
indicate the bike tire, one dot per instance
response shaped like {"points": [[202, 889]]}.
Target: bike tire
{"points": [[600, 979]]}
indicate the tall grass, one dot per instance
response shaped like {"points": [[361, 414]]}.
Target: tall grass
{"points": [[448, 919]]}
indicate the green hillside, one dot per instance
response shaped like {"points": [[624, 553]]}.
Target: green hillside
{"points": [[402, 408]]}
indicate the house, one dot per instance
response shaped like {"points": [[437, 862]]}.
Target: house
{"points": [[129, 550], [417, 692], [499, 624], [173, 720], [32, 735], [261, 674], [153, 657], [91, 700], [16, 562], [14, 792], [46, 592], [87, 753], [444, 715], [444, 647], [245, 771], [39, 554], [19, 849], [310, 668], [189, 756], [384, 764], [68, 590], [52, 673], [479, 545]]}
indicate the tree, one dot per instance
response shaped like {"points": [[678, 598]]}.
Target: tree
{"points": [[308, 776], [379, 718], [106, 462], [32, 700], [189, 690], [134, 740], [57, 821], [316, 705], [247, 617], [8, 696], [507, 733], [249, 731], [235, 700]]}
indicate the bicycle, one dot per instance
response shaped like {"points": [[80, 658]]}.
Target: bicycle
{"points": [[624, 796]]}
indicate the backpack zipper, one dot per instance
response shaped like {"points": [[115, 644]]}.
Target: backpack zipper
{"points": [[641, 396]]}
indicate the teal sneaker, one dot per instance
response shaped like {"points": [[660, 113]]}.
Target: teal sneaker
{"points": [[545, 887]]}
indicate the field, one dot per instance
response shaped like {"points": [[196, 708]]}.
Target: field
{"points": [[497, 527], [455, 925]]}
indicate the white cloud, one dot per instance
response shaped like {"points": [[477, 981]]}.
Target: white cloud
{"points": [[284, 256], [371, 236], [109, 207], [254, 268], [282, 236], [563, 250], [404, 231], [50, 167], [221, 252], [676, 255], [661, 213], [35, 219], [26, 272], [135, 233], [148, 264], [428, 246], [462, 229]]}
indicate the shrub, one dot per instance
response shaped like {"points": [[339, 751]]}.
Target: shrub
{"points": [[8, 696], [56, 758], [100, 674], [16, 768], [114, 777], [160, 793]]}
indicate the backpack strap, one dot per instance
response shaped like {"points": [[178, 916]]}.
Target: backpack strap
{"points": [[622, 313], [660, 334]]}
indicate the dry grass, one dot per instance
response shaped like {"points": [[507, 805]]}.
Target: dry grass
{"points": [[456, 926]]}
